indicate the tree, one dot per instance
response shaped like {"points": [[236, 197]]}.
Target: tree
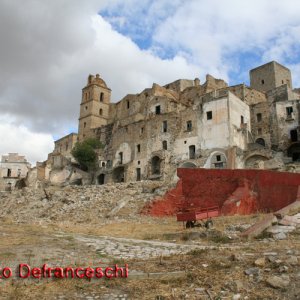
{"points": [[85, 153], [94, 143]]}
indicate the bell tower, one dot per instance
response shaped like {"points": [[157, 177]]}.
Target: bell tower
{"points": [[94, 107]]}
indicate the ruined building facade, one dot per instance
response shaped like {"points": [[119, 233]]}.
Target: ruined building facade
{"points": [[189, 124], [13, 168]]}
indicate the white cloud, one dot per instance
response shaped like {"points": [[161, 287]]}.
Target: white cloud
{"points": [[18, 139], [48, 49], [214, 32]]}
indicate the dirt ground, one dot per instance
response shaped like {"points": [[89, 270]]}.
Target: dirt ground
{"points": [[205, 264]]}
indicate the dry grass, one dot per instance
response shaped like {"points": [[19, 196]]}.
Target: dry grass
{"points": [[210, 269], [152, 230]]}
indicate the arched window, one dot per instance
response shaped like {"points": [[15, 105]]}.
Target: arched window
{"points": [[218, 161], [261, 142], [188, 165], [100, 111], [101, 97], [84, 124]]}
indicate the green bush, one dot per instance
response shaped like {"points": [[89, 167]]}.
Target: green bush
{"points": [[85, 153]]}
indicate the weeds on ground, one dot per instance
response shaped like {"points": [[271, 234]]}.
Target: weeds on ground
{"points": [[198, 252], [184, 237], [264, 235]]}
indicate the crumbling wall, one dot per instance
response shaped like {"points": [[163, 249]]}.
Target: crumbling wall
{"points": [[180, 85], [286, 123], [65, 144], [260, 123], [69, 175], [248, 95], [212, 83]]}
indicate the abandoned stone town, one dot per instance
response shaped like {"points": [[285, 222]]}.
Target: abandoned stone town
{"points": [[183, 150], [187, 124], [184, 124]]}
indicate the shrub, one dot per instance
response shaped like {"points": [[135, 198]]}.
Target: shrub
{"points": [[85, 153]]}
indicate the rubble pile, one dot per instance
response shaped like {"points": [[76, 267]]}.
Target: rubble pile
{"points": [[278, 224], [91, 203], [284, 226]]}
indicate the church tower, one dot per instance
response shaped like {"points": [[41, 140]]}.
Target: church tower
{"points": [[94, 107]]}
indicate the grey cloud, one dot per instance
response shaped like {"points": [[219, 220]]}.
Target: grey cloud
{"points": [[36, 39], [47, 50]]}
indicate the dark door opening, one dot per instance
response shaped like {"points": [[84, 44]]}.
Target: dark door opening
{"points": [[294, 135], [157, 110], [20, 184], [261, 141], [138, 174], [192, 152], [296, 156], [155, 164], [101, 179], [294, 151], [119, 174]]}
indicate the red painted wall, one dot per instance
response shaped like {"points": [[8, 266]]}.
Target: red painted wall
{"points": [[169, 205], [246, 191]]}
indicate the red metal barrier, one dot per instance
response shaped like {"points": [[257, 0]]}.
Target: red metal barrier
{"points": [[234, 191]]}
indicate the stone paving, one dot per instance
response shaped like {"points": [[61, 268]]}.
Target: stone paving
{"points": [[133, 248], [94, 295]]}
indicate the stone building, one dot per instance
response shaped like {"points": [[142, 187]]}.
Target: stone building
{"points": [[189, 124], [13, 168], [65, 144], [270, 76]]}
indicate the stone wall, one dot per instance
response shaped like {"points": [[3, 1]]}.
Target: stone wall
{"points": [[65, 144], [14, 165], [286, 123], [260, 122], [270, 76], [248, 95], [149, 134]]}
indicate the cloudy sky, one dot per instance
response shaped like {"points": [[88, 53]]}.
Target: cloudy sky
{"points": [[48, 48]]}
